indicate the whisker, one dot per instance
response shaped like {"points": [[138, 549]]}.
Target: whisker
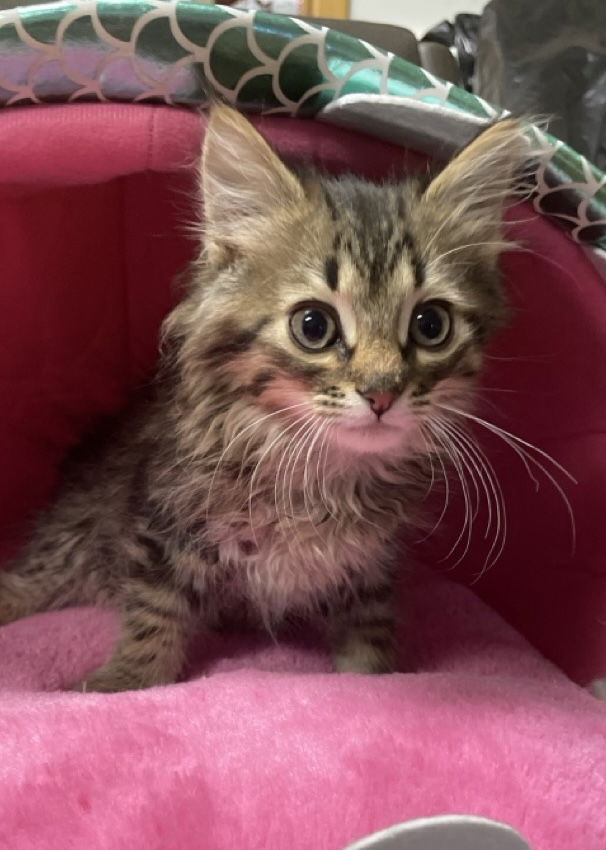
{"points": [[492, 489], [470, 450], [289, 469], [454, 456], [237, 437], [498, 244], [307, 496], [327, 501], [296, 455], [443, 425], [253, 477], [286, 456], [501, 432], [528, 358], [523, 449], [321, 495], [290, 455], [483, 389], [429, 456], [526, 250], [446, 494]]}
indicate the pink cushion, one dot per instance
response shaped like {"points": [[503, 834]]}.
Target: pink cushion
{"points": [[94, 202], [269, 751]]}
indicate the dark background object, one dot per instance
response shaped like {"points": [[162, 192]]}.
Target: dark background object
{"points": [[548, 59], [437, 59], [460, 35]]}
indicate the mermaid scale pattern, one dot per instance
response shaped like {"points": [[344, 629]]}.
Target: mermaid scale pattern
{"points": [[173, 51]]}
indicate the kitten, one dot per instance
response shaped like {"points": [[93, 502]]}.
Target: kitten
{"points": [[267, 478]]}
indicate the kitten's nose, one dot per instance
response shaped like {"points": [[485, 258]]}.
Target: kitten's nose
{"points": [[379, 402]]}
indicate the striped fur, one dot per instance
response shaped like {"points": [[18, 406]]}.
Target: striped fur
{"points": [[257, 483]]}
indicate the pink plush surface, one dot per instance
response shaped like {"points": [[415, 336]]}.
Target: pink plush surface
{"points": [[270, 751]]}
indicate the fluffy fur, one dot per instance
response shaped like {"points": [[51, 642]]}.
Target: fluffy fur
{"points": [[263, 481]]}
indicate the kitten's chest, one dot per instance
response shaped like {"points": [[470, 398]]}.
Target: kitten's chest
{"points": [[290, 562]]}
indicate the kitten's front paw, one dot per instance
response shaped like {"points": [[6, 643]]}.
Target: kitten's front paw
{"points": [[110, 681], [364, 657], [101, 684], [598, 688]]}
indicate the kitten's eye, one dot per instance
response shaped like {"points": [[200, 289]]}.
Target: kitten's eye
{"points": [[430, 325], [314, 328]]}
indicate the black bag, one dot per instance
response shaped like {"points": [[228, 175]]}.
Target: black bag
{"points": [[461, 36], [547, 59]]}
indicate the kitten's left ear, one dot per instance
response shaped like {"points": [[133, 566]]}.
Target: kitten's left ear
{"points": [[475, 185], [245, 185]]}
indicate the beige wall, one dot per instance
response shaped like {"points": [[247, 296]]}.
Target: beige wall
{"points": [[417, 15]]}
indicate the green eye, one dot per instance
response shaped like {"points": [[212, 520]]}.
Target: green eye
{"points": [[314, 328], [431, 325]]}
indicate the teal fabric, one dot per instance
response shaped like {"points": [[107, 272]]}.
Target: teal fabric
{"points": [[176, 51]]}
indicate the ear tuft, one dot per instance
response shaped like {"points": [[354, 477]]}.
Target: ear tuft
{"points": [[480, 179], [244, 183]]}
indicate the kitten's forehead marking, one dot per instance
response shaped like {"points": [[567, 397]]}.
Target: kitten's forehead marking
{"points": [[343, 304], [331, 272], [372, 229], [384, 312]]}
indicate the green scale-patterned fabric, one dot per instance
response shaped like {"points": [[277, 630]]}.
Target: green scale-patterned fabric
{"points": [[173, 52]]}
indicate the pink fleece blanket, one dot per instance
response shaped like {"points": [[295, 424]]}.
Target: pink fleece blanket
{"points": [[269, 750]]}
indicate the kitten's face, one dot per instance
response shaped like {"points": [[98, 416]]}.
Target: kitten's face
{"points": [[356, 307]]}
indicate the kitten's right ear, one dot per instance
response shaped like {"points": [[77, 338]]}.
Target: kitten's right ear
{"points": [[245, 185], [474, 186]]}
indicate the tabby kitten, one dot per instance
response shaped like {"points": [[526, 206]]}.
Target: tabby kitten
{"points": [[268, 477]]}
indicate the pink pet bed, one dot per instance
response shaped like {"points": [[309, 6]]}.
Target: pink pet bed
{"points": [[264, 747]]}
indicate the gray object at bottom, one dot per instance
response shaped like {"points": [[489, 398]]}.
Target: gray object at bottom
{"points": [[448, 832]]}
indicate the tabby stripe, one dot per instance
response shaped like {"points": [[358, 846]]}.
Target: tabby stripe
{"points": [[332, 208], [148, 600], [293, 366], [142, 633], [259, 382], [152, 547], [145, 658], [374, 623], [418, 265], [431, 375], [381, 642], [331, 272], [236, 342], [365, 595]]}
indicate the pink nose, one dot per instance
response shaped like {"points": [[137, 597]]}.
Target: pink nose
{"points": [[380, 402]]}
